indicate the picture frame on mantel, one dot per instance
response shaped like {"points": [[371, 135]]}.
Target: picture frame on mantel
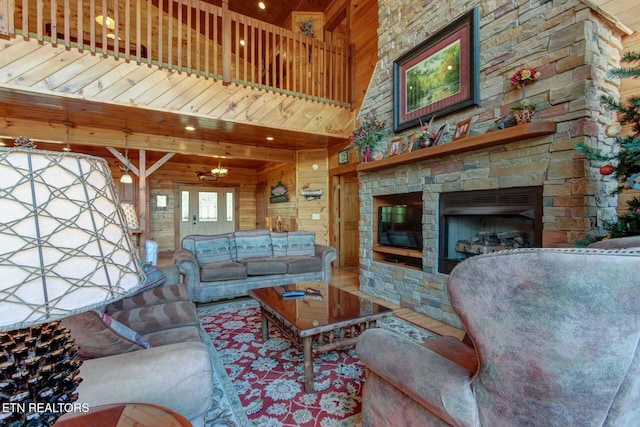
{"points": [[439, 76], [462, 129]]}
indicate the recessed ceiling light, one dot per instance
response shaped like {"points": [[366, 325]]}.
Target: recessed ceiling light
{"points": [[261, 5], [270, 138], [189, 128], [242, 42]]}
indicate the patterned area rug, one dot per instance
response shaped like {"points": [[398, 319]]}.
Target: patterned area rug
{"points": [[268, 377]]}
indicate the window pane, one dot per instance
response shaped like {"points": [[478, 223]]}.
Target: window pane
{"points": [[184, 215], [208, 206], [229, 206]]}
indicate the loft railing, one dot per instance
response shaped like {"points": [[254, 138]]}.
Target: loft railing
{"points": [[190, 36]]}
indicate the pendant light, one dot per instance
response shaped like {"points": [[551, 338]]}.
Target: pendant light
{"points": [[219, 171], [126, 178]]}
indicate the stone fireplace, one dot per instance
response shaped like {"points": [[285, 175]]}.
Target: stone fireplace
{"points": [[572, 46], [518, 193]]}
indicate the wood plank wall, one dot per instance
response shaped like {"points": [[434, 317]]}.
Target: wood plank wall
{"points": [[312, 174], [303, 175], [364, 36], [363, 24], [269, 177]]}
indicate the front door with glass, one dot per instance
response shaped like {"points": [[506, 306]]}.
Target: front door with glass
{"points": [[206, 210]]}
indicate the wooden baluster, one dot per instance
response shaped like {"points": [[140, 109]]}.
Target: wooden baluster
{"points": [[216, 41], [260, 64], [226, 43], [127, 30], [149, 42], [116, 37], [80, 26], [198, 37], [54, 25], [252, 49], [67, 27], [179, 43], [105, 30], [236, 21]]}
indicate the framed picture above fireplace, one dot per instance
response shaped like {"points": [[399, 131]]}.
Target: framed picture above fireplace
{"points": [[439, 76]]}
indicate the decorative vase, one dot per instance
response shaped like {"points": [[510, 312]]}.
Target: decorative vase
{"points": [[426, 142], [524, 115], [366, 155]]}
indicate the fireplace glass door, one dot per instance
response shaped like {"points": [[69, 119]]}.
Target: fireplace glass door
{"points": [[479, 222]]}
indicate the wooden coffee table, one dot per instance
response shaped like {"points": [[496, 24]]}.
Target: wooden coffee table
{"points": [[317, 326]]}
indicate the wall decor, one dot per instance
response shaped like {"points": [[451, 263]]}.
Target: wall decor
{"points": [[279, 193], [343, 156], [439, 76], [161, 202], [311, 194], [462, 129]]}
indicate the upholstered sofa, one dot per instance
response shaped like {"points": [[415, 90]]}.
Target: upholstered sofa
{"points": [[555, 341], [229, 265], [146, 348]]}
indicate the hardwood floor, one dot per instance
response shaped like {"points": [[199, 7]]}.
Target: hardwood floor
{"points": [[347, 279]]}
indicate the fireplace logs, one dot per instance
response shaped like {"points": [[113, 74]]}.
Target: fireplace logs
{"points": [[487, 242]]}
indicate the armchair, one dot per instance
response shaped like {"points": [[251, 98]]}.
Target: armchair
{"points": [[556, 339]]}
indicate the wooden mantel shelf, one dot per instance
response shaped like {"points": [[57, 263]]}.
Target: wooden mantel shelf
{"points": [[504, 136]]}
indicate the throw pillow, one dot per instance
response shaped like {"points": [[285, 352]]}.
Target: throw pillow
{"points": [[154, 277], [253, 244], [301, 243], [99, 335], [212, 248], [279, 243]]}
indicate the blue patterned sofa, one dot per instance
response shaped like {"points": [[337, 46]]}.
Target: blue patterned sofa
{"points": [[229, 265]]}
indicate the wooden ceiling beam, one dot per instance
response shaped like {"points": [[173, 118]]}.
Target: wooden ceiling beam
{"points": [[56, 132]]}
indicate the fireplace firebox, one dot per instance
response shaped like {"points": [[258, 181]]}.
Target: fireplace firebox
{"points": [[483, 221]]}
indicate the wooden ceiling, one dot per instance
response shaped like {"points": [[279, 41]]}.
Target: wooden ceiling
{"points": [[276, 12], [627, 11], [17, 105]]}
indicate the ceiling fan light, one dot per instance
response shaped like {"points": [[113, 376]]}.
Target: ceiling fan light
{"points": [[111, 24]]}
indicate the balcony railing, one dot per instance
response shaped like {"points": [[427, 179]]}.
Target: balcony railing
{"points": [[193, 37]]}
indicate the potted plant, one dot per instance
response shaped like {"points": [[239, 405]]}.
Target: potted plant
{"points": [[427, 136], [523, 111], [366, 137]]}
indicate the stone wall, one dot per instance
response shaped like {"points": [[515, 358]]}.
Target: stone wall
{"points": [[573, 48]]}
